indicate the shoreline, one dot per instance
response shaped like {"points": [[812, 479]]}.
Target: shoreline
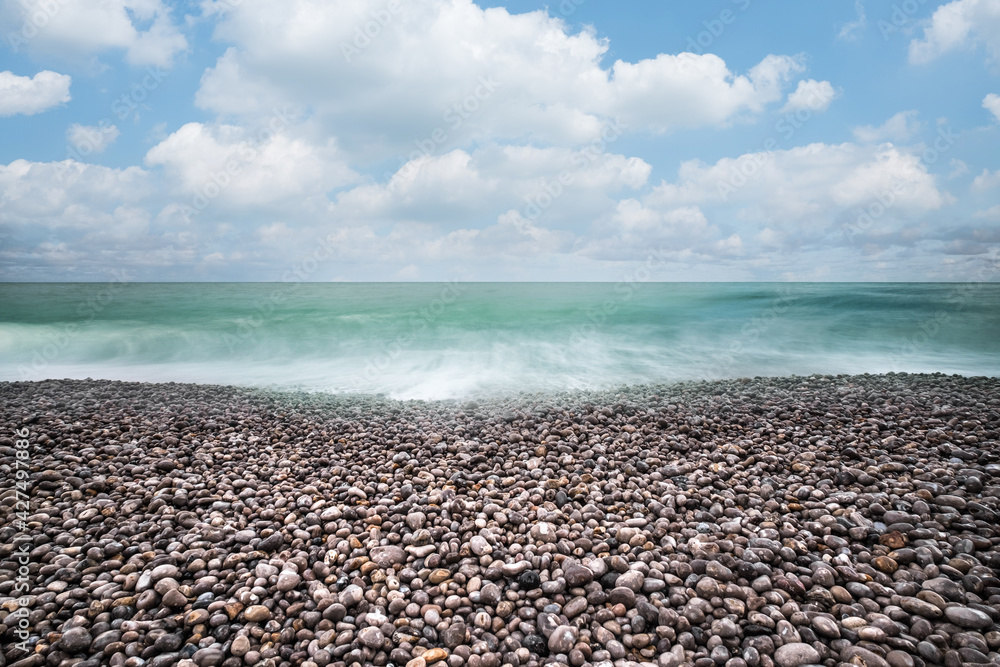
{"points": [[296, 396], [789, 520]]}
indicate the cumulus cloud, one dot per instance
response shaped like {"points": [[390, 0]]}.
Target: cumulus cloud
{"points": [[811, 94], [958, 168], [550, 184], [807, 189], [510, 77], [31, 95], [635, 227], [72, 29], [68, 194], [987, 180], [688, 90], [87, 139], [900, 127], [992, 104], [959, 24], [991, 214], [496, 135], [238, 167]]}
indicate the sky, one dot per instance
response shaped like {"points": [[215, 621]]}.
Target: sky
{"points": [[437, 140]]}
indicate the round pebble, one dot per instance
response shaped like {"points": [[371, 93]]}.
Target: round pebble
{"points": [[739, 523]]}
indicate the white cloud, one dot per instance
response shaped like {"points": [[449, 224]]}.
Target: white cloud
{"points": [[769, 238], [87, 139], [488, 112], [461, 187], [73, 29], [986, 181], [732, 245], [521, 77], [992, 104], [409, 272], [959, 24], [69, 193], [633, 219], [992, 214], [807, 189], [689, 90], [634, 228], [901, 127], [247, 169], [852, 29], [958, 168], [509, 239], [516, 236], [811, 94], [31, 95]]}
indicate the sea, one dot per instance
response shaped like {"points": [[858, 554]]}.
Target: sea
{"points": [[453, 340]]}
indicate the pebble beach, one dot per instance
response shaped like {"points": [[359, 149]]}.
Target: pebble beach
{"points": [[820, 520]]}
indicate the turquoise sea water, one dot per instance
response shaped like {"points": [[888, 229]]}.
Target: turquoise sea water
{"points": [[427, 340]]}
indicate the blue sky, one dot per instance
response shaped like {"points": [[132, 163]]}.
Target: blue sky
{"points": [[449, 140]]}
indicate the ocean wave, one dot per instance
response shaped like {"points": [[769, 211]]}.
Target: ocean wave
{"points": [[413, 342]]}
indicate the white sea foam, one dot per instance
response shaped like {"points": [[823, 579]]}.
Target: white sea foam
{"points": [[504, 339]]}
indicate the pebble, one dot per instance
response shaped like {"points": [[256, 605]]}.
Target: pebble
{"points": [[543, 532], [174, 598], [257, 613], [434, 655], [288, 580], [208, 657], [352, 595], [623, 596], [371, 637], [529, 580], [632, 580], [480, 546], [826, 627], [857, 655], [240, 646], [788, 521], [795, 654], [964, 617], [75, 640], [387, 556], [899, 659], [562, 639], [454, 635], [577, 576]]}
